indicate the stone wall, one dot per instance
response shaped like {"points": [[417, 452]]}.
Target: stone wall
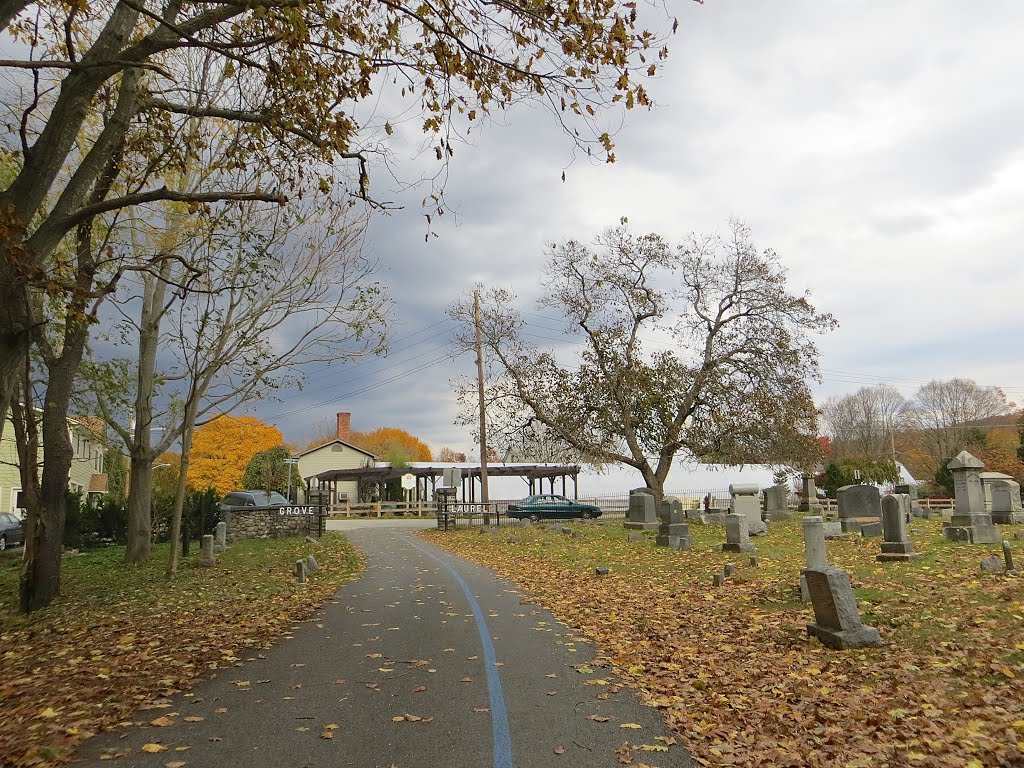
{"points": [[262, 523]]}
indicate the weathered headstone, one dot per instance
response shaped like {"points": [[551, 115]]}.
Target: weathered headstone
{"points": [[858, 504], [300, 571], [1006, 506], [869, 530], [776, 503], [673, 524], [729, 569], [220, 542], [737, 538], [833, 529], [896, 546], [1008, 558], [641, 514], [970, 523], [815, 553], [809, 500], [634, 536], [909, 489], [746, 500], [991, 564], [837, 622], [754, 562], [206, 557], [601, 570], [311, 540], [312, 566], [718, 580]]}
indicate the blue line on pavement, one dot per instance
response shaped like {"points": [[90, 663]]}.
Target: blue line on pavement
{"points": [[499, 716]]}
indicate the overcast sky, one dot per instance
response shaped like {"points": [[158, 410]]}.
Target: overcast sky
{"points": [[877, 147]]}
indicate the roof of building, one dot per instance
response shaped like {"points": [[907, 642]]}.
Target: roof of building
{"points": [[332, 441]]}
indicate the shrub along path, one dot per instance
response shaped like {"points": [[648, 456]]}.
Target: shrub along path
{"points": [[736, 676]]}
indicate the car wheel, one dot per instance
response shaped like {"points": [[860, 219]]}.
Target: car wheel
{"points": [[3, 543], [586, 514], [534, 517]]}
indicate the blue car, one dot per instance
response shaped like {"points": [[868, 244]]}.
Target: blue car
{"points": [[552, 507], [11, 531]]}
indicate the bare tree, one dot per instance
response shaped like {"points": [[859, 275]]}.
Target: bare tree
{"points": [[698, 350], [947, 414], [297, 75], [235, 324], [863, 425]]}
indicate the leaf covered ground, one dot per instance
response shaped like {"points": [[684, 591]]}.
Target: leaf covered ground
{"points": [[734, 671], [121, 637]]}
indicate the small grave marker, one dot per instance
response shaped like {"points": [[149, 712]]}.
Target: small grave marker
{"points": [[837, 622]]}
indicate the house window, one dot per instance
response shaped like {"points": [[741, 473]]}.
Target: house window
{"points": [[17, 502]]}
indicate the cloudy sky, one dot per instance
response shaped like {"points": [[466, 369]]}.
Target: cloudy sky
{"points": [[879, 148]]}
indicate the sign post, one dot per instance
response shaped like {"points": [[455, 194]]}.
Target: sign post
{"points": [[408, 483]]}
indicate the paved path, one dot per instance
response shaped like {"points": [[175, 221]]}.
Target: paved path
{"points": [[488, 680]]}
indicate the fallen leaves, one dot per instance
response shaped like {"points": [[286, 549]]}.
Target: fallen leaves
{"points": [[153, 748], [739, 682], [120, 636]]}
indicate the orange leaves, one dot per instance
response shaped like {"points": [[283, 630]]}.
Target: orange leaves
{"points": [[392, 444], [222, 449]]}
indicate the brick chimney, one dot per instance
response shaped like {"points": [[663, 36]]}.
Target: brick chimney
{"points": [[344, 425]]}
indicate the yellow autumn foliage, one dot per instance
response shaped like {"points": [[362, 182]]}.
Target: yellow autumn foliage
{"points": [[222, 449]]}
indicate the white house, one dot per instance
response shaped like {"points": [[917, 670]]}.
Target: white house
{"points": [[336, 453]]}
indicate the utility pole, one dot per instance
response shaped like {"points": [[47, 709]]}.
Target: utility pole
{"points": [[484, 497]]}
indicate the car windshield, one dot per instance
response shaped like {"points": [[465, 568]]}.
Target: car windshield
{"points": [[263, 499]]}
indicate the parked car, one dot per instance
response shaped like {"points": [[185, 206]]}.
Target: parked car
{"points": [[552, 507], [11, 532], [237, 499]]}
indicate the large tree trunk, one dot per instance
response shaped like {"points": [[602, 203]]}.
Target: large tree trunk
{"points": [[140, 494], [140, 512], [14, 336], [40, 575]]}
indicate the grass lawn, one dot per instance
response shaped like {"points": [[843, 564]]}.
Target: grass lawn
{"points": [[120, 637], [734, 671]]}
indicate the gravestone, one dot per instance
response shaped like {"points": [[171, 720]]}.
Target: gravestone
{"points": [[909, 489], [776, 503], [718, 580], [312, 566], [991, 564], [809, 501], [1006, 506], [746, 501], [969, 523], [634, 536], [206, 557], [870, 530], [815, 553], [601, 570], [737, 538], [858, 504], [641, 514], [300, 571], [896, 545], [221, 543], [833, 529], [673, 531], [837, 622], [1008, 558]]}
